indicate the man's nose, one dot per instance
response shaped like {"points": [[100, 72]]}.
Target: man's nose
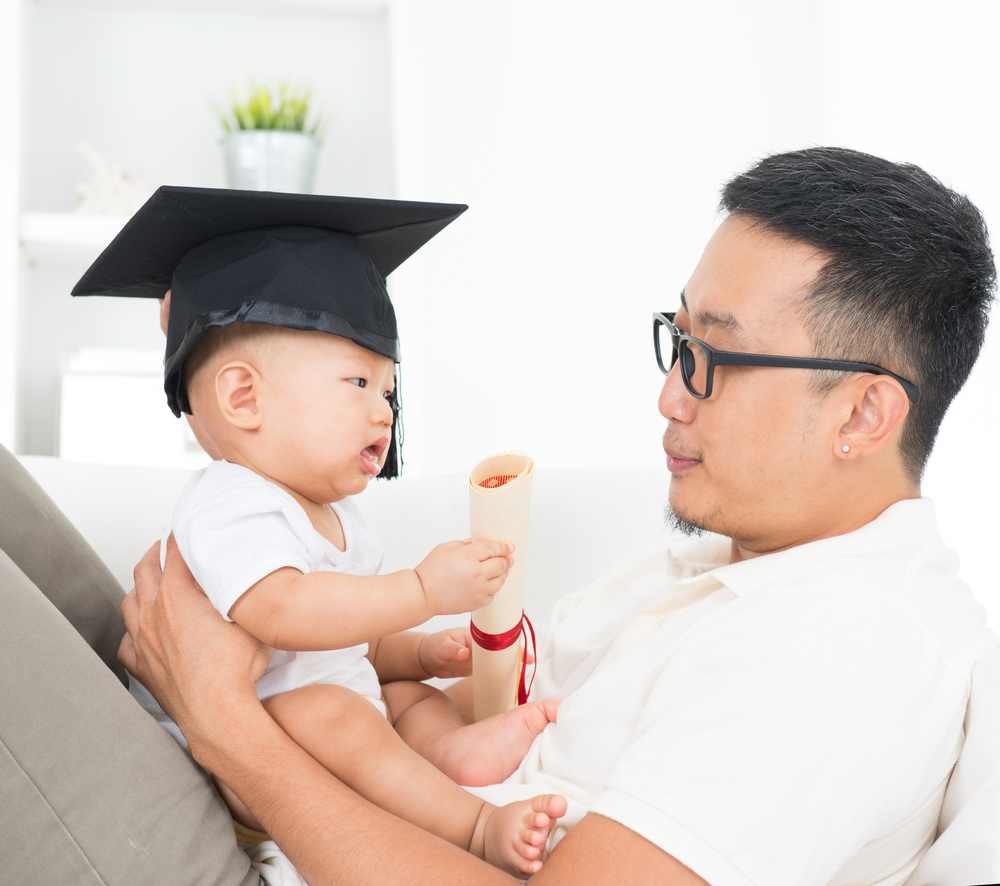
{"points": [[675, 402]]}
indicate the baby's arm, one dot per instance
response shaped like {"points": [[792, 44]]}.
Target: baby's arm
{"points": [[329, 610]]}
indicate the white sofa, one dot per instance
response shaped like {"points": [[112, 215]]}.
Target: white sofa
{"points": [[581, 523]]}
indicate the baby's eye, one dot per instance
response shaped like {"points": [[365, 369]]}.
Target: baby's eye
{"points": [[360, 382], [388, 394]]}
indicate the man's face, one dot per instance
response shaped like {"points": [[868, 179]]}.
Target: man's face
{"points": [[748, 461]]}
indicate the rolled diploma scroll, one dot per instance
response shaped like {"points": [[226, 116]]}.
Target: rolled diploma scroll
{"points": [[499, 506]]}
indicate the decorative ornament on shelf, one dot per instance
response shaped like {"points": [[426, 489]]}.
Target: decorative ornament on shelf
{"points": [[109, 190], [271, 144]]}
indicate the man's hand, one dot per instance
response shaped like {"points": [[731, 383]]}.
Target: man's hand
{"points": [[447, 653], [461, 576], [181, 649]]}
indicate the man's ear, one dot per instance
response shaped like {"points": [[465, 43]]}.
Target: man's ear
{"points": [[237, 389], [878, 408]]}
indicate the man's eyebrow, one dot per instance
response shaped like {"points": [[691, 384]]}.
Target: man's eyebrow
{"points": [[724, 323]]}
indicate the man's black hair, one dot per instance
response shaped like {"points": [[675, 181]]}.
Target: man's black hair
{"points": [[910, 276]]}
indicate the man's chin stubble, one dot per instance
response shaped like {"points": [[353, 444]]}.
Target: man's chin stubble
{"points": [[677, 523]]}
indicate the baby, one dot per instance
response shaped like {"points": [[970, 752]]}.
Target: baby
{"points": [[282, 342], [302, 420]]}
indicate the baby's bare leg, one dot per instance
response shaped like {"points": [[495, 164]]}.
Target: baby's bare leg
{"points": [[237, 808], [481, 753], [460, 692], [351, 738]]}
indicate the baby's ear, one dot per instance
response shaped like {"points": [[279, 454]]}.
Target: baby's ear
{"points": [[237, 386]]}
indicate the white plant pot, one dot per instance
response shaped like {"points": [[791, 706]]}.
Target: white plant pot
{"points": [[270, 160]]}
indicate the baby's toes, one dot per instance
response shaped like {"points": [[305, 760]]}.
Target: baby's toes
{"points": [[552, 805], [527, 848], [537, 821], [533, 836]]}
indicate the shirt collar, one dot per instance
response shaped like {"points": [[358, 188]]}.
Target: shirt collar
{"points": [[906, 524]]}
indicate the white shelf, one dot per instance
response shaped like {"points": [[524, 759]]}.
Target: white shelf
{"points": [[67, 237], [349, 7]]}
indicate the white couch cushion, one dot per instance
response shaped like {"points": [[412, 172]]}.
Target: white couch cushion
{"points": [[582, 522]]}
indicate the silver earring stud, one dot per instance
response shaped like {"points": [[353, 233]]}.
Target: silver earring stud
{"points": [[845, 448]]}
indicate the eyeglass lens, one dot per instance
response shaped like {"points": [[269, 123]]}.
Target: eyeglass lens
{"points": [[694, 364]]}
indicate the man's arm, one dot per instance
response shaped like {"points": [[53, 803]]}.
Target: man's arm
{"points": [[202, 669], [601, 852]]}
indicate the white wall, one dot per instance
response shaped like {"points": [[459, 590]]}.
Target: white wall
{"points": [[10, 96], [137, 80], [590, 141], [590, 145]]}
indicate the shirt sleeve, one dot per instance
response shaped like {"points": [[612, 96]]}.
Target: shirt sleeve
{"points": [[232, 538], [773, 747]]}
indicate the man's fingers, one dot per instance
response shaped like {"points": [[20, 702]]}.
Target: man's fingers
{"points": [[130, 612], [126, 653], [175, 562], [147, 578], [131, 607]]}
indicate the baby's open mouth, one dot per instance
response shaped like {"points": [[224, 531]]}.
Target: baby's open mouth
{"points": [[370, 456]]}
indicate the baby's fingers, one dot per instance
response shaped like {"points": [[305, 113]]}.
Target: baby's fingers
{"points": [[488, 550], [496, 567]]}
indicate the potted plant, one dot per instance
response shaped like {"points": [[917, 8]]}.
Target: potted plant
{"points": [[271, 142]]}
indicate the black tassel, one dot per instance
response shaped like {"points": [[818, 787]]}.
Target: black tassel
{"points": [[394, 455]]}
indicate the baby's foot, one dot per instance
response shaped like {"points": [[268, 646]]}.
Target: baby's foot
{"points": [[512, 837], [490, 750]]}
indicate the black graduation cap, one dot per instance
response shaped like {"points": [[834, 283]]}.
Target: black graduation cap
{"points": [[303, 261]]}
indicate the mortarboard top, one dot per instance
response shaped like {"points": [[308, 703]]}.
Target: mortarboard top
{"points": [[302, 261]]}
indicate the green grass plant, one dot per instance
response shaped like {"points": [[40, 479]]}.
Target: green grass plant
{"points": [[281, 107]]}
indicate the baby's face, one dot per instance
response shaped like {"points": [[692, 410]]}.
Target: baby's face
{"points": [[327, 416]]}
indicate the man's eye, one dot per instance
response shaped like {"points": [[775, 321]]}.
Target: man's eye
{"points": [[360, 382]]}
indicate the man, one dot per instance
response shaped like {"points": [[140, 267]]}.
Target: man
{"points": [[781, 703]]}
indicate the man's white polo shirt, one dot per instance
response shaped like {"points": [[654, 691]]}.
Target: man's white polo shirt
{"points": [[787, 720]]}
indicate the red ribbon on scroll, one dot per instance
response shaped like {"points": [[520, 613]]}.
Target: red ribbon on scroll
{"points": [[496, 642]]}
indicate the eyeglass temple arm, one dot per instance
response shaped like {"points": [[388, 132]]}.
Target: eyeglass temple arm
{"points": [[728, 358]]}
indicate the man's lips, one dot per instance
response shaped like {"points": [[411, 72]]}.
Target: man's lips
{"points": [[371, 456], [678, 461]]}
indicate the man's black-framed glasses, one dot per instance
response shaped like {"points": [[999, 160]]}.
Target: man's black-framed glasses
{"points": [[698, 360]]}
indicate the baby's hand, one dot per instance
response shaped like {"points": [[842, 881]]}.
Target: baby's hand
{"points": [[447, 653], [460, 576]]}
